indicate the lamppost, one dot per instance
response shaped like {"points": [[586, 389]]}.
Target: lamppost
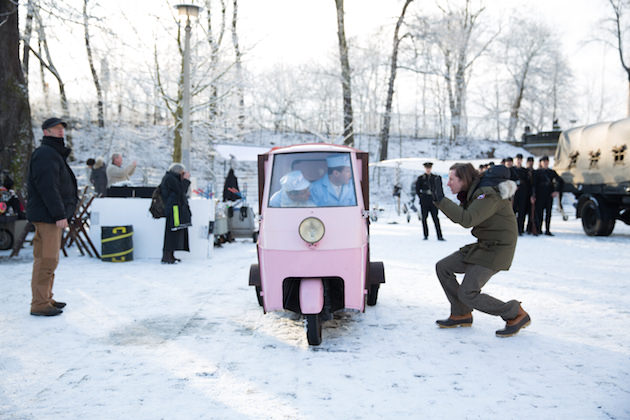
{"points": [[189, 11]]}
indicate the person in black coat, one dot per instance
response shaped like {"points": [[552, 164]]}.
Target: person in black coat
{"points": [[52, 200], [173, 187], [546, 184], [231, 192], [424, 185], [98, 176], [521, 198]]}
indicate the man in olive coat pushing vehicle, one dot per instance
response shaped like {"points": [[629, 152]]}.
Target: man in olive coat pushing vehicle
{"points": [[486, 207]]}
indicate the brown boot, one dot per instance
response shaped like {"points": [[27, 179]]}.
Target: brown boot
{"points": [[513, 326], [48, 310], [455, 321]]}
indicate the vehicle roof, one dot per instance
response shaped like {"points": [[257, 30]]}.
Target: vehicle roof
{"points": [[313, 147]]}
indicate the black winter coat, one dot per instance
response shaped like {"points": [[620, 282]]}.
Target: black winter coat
{"points": [[98, 177], [177, 211], [52, 186], [426, 182]]}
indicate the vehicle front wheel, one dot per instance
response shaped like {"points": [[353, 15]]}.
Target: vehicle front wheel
{"points": [[313, 329]]}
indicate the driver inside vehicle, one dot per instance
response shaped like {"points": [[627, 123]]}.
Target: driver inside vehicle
{"points": [[294, 192], [336, 188]]}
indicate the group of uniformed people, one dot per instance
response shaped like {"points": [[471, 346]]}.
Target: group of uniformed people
{"points": [[536, 189], [534, 197]]}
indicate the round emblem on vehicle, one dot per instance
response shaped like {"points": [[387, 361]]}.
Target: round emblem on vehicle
{"points": [[311, 230]]}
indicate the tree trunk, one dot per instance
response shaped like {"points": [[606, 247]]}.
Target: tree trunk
{"points": [[215, 45], [99, 92], [387, 116], [516, 106], [16, 132], [28, 29], [48, 64], [239, 71], [348, 131]]}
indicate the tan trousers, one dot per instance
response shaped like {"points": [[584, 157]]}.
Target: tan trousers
{"points": [[46, 246]]}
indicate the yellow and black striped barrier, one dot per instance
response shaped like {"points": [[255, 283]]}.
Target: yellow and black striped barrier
{"points": [[117, 243]]}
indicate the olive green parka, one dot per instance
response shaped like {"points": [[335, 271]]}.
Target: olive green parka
{"points": [[488, 210]]}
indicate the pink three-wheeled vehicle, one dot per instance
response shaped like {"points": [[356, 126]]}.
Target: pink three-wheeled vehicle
{"points": [[313, 243]]}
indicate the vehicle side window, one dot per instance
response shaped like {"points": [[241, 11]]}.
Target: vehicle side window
{"points": [[309, 179]]}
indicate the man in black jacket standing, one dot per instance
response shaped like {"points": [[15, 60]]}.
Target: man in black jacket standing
{"points": [[521, 198], [424, 184], [52, 200], [546, 185]]}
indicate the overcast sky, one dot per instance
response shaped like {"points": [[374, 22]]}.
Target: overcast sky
{"points": [[298, 31]]}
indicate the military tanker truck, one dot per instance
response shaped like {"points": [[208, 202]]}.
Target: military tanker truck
{"points": [[594, 162]]}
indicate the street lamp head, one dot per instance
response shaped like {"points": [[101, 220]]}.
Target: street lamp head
{"points": [[187, 10]]}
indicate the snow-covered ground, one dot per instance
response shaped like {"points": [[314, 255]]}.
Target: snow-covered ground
{"points": [[142, 340]]}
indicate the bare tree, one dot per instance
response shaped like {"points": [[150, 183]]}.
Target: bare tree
{"points": [[215, 41], [16, 132], [525, 52], [45, 60], [619, 27], [239, 70], [387, 116], [97, 85], [458, 36], [26, 39], [348, 130]]}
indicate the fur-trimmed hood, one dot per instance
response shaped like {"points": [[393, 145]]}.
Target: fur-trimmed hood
{"points": [[507, 189]]}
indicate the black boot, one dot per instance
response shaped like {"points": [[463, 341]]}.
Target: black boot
{"points": [[167, 257], [513, 326], [455, 321]]}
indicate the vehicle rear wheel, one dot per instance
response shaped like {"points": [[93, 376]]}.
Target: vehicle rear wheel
{"points": [[372, 295], [313, 329], [254, 280], [6, 239], [596, 218]]}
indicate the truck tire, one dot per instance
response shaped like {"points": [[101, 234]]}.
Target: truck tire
{"points": [[6, 239], [597, 219]]}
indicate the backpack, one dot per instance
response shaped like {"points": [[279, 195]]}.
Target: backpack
{"points": [[157, 204]]}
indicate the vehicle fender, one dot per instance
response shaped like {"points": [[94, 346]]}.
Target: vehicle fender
{"points": [[311, 295], [583, 199]]}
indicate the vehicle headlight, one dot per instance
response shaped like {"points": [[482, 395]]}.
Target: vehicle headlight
{"points": [[312, 230]]}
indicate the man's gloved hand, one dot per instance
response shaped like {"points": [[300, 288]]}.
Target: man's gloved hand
{"points": [[436, 191]]}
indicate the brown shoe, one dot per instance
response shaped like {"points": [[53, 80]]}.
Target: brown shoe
{"points": [[46, 311], [58, 305], [513, 326], [455, 321]]}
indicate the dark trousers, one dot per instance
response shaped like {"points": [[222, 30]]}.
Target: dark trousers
{"points": [[427, 206], [543, 204], [521, 208], [467, 296]]}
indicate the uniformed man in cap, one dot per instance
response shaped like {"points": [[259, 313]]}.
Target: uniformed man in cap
{"points": [[521, 198], [52, 200], [545, 187], [424, 184], [336, 188]]}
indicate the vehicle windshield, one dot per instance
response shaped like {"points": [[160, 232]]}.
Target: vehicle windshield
{"points": [[312, 179]]}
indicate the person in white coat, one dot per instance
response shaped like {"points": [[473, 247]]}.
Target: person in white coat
{"points": [[294, 192], [116, 172]]}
